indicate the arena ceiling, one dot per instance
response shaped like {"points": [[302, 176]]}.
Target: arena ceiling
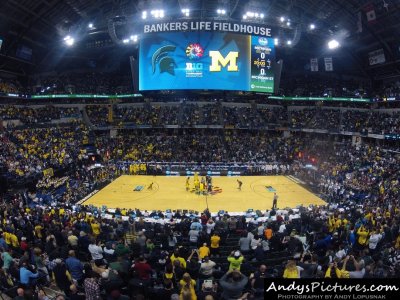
{"points": [[42, 24]]}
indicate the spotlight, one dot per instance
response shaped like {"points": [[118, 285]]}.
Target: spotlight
{"points": [[158, 13], [288, 23], [289, 42], [90, 25], [254, 15], [221, 11], [125, 41], [144, 15], [244, 17], [134, 38], [333, 44], [276, 41], [312, 26], [186, 12], [282, 19], [69, 41]]}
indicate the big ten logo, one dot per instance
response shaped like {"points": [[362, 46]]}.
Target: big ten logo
{"points": [[194, 66], [230, 60]]}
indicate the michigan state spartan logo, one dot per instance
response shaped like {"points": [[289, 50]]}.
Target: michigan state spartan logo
{"points": [[165, 62]]}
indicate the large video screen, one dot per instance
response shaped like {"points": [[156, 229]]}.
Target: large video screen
{"points": [[206, 61]]}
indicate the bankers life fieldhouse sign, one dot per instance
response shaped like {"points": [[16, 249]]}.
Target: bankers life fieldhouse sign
{"points": [[243, 28]]}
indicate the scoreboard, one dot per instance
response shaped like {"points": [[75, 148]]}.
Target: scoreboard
{"points": [[206, 61]]}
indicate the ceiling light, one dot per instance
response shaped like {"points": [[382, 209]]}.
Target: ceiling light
{"points": [[69, 42], [333, 44]]}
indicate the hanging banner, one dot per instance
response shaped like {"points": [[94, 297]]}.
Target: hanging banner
{"points": [[314, 64], [369, 10], [376, 57], [328, 64], [359, 22]]}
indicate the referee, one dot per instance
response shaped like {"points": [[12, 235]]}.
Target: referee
{"points": [[275, 201]]}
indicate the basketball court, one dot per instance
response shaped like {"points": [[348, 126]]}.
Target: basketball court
{"points": [[257, 192]]}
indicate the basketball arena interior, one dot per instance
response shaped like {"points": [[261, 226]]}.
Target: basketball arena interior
{"points": [[198, 149]]}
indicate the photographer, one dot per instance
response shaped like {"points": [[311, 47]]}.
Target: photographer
{"points": [[257, 280], [96, 251], [207, 268], [208, 288], [235, 259], [232, 283]]}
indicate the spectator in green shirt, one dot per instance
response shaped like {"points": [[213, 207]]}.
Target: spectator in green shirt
{"points": [[235, 259]]}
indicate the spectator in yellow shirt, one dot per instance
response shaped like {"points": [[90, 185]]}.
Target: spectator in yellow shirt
{"points": [[204, 251], [14, 241], [363, 234], [176, 256], [95, 228], [187, 285], [215, 239], [292, 270], [7, 238], [38, 231]]}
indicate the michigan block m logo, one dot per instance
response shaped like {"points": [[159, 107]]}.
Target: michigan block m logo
{"points": [[217, 60]]}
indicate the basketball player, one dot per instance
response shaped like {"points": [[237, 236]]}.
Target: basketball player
{"points": [[201, 189], [150, 187], [239, 185], [197, 186], [275, 201], [187, 184]]}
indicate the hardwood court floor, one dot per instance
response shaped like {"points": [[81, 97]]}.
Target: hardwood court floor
{"points": [[170, 193]]}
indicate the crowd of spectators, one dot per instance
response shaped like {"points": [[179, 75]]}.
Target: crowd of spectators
{"points": [[211, 114], [30, 151], [191, 114], [326, 119], [99, 115], [376, 121], [388, 123], [165, 115], [302, 118], [136, 115], [83, 83], [10, 86], [321, 86], [219, 146], [89, 254], [41, 114], [114, 83]]}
